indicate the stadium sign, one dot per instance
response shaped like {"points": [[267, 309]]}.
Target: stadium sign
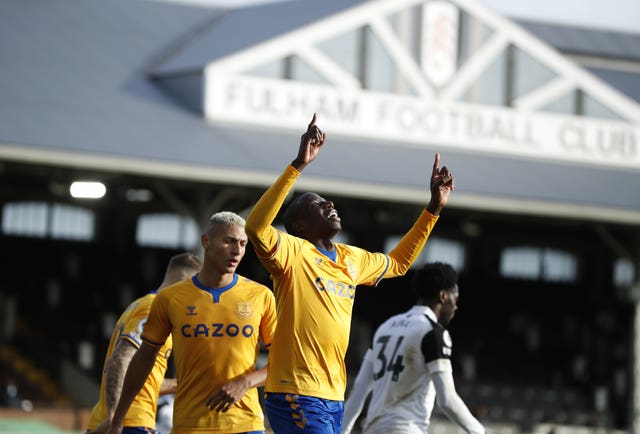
{"points": [[419, 121]]}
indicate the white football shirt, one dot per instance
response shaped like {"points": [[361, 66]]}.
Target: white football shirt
{"points": [[406, 349]]}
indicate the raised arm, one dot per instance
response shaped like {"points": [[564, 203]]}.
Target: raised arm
{"points": [[259, 230], [409, 247], [441, 185], [310, 143]]}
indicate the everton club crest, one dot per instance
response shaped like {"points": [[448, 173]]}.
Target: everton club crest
{"points": [[243, 309]]}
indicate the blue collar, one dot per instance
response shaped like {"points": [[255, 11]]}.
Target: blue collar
{"points": [[331, 255], [215, 292]]}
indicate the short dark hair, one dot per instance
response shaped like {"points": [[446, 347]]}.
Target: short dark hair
{"points": [[292, 213], [184, 261], [433, 277]]}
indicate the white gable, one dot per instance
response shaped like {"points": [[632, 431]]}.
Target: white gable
{"points": [[422, 79]]}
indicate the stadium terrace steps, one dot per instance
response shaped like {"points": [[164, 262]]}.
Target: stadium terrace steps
{"points": [[39, 385]]}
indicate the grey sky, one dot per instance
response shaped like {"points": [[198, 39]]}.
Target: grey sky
{"points": [[621, 15]]}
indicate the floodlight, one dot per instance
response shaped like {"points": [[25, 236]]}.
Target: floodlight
{"points": [[87, 190]]}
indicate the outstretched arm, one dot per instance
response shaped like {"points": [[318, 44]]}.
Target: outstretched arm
{"points": [[409, 247], [264, 237], [310, 143], [441, 185]]}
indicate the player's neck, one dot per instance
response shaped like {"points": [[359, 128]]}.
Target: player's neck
{"points": [[214, 279], [165, 283], [324, 243], [436, 308]]}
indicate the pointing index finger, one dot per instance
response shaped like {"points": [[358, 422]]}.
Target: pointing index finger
{"points": [[436, 164], [313, 122]]}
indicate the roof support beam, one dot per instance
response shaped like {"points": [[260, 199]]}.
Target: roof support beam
{"points": [[615, 100], [545, 94], [403, 60], [326, 67], [474, 67]]}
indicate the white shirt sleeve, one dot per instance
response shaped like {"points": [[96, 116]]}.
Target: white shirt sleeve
{"points": [[361, 388], [448, 399]]}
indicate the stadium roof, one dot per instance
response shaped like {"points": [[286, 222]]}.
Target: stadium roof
{"points": [[80, 88], [582, 40], [264, 21]]}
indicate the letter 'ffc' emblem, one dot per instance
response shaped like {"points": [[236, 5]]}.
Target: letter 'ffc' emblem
{"points": [[244, 309]]}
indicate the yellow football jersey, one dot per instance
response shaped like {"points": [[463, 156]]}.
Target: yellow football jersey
{"points": [[315, 295], [216, 334], [143, 409]]}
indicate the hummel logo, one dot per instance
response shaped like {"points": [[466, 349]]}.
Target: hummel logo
{"points": [[191, 311], [318, 261]]}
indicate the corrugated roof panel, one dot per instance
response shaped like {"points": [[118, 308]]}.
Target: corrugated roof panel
{"points": [[245, 27], [73, 71]]}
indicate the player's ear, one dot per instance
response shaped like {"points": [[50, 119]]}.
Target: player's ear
{"points": [[204, 240], [443, 295]]}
